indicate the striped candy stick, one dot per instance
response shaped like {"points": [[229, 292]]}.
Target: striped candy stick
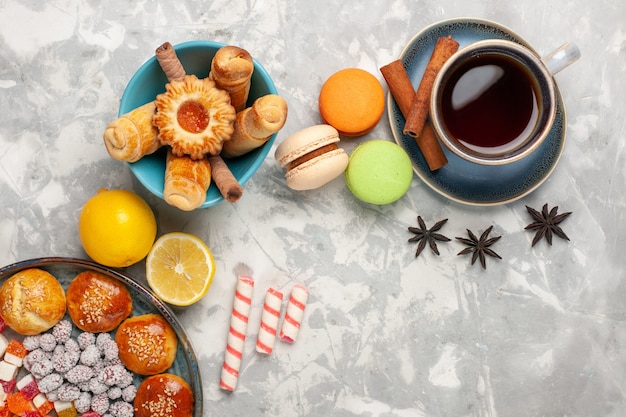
{"points": [[237, 332], [294, 313], [269, 321]]}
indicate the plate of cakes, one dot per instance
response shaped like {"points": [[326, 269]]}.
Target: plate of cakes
{"points": [[80, 339]]}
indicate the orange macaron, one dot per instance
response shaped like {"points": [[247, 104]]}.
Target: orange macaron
{"points": [[352, 101]]}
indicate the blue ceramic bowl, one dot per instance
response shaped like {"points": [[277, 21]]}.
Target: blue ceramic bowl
{"points": [[149, 81]]}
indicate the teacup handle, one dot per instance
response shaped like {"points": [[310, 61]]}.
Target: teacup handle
{"points": [[562, 57]]}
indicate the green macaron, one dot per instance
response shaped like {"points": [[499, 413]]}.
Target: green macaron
{"points": [[379, 172]]}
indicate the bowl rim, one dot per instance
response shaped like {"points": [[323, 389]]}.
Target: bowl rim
{"points": [[133, 84], [10, 269]]}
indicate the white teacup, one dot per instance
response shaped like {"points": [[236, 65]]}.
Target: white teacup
{"points": [[494, 101]]}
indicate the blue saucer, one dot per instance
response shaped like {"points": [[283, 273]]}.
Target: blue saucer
{"points": [[460, 180]]}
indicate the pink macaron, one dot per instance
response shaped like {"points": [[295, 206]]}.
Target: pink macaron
{"points": [[312, 157]]}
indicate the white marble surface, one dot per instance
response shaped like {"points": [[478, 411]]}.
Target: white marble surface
{"points": [[541, 332]]}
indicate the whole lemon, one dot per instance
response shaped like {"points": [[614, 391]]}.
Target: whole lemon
{"points": [[117, 228]]}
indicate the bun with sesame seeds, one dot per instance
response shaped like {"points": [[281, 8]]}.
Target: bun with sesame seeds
{"points": [[164, 395], [97, 303], [32, 301], [147, 344]]}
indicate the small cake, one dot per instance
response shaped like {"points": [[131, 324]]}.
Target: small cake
{"points": [[379, 172], [32, 301], [147, 344], [97, 303], [164, 395], [352, 101], [194, 117]]}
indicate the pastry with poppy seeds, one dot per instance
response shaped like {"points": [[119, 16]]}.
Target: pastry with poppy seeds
{"points": [[164, 395], [97, 303], [147, 344]]}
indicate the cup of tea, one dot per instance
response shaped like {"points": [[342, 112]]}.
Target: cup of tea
{"points": [[494, 101]]}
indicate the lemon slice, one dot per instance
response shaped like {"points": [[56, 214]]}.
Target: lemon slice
{"points": [[180, 268]]}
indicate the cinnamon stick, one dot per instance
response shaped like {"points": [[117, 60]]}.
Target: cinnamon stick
{"points": [[400, 85], [429, 145], [402, 91], [224, 179], [169, 62], [444, 48]]}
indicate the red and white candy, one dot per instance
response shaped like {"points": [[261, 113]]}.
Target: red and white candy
{"points": [[269, 321], [237, 333], [294, 314]]}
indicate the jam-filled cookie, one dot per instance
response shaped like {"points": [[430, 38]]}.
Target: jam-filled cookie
{"points": [[194, 117]]}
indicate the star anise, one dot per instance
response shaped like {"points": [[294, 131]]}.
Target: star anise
{"points": [[547, 223], [424, 235], [479, 247]]}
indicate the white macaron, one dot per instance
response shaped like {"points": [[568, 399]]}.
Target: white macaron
{"points": [[312, 157]]}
